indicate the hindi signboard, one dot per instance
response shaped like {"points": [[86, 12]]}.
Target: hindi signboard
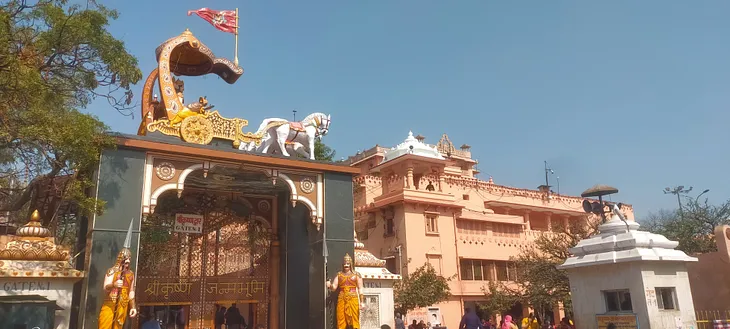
{"points": [[188, 223], [172, 290], [621, 321]]}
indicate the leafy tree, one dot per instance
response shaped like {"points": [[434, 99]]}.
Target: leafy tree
{"points": [[537, 281], [323, 152], [693, 227], [422, 288], [55, 58]]}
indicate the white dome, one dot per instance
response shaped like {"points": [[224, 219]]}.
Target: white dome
{"points": [[412, 146], [619, 242]]}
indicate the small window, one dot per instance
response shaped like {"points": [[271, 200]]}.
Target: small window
{"points": [[465, 196], [618, 301], [467, 269], [432, 223], [389, 229], [666, 298], [391, 265], [478, 273], [502, 271], [435, 261]]}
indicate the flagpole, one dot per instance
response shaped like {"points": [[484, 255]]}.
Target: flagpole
{"points": [[235, 55]]}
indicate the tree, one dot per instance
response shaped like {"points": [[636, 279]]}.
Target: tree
{"points": [[537, 281], [56, 58], [693, 227], [422, 288], [323, 152]]}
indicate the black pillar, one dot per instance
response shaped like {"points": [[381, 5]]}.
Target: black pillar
{"points": [[339, 229], [121, 179]]}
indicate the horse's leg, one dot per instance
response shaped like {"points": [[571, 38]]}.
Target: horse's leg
{"points": [[282, 134], [310, 139], [299, 148], [266, 142]]}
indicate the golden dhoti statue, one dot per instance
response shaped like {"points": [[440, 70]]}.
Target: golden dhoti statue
{"points": [[348, 301], [118, 290], [114, 308], [349, 284]]}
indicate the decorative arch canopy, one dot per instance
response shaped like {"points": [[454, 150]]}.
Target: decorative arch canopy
{"points": [[162, 175], [186, 55]]}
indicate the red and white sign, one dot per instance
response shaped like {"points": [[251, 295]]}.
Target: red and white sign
{"points": [[188, 223]]}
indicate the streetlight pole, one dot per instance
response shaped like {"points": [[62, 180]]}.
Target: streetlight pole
{"points": [[698, 197], [547, 180], [678, 190]]}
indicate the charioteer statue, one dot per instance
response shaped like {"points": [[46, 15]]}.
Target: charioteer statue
{"points": [[189, 110], [350, 286], [119, 290]]}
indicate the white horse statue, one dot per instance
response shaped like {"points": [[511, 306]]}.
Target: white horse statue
{"points": [[291, 136]]}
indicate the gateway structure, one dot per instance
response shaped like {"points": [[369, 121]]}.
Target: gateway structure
{"points": [[215, 229]]}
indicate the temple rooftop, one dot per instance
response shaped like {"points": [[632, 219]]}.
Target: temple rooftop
{"points": [[621, 241], [411, 145]]}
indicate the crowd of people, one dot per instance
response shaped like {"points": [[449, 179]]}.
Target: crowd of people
{"points": [[471, 320], [224, 318]]}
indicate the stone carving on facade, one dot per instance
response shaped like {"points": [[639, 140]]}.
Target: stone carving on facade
{"points": [[165, 171], [307, 185], [264, 206]]}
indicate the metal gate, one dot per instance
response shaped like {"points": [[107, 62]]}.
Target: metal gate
{"points": [[199, 253]]}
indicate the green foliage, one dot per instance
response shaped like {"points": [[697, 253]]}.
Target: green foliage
{"points": [[422, 288], [538, 281], [323, 152], [693, 227], [56, 58]]}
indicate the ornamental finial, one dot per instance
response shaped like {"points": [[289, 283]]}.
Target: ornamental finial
{"points": [[33, 229]]}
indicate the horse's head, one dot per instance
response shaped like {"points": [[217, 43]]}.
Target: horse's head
{"points": [[203, 100], [323, 124]]}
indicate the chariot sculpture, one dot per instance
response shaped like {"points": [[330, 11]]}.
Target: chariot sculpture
{"points": [[197, 123]]}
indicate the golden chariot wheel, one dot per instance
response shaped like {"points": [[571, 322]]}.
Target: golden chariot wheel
{"points": [[197, 129]]}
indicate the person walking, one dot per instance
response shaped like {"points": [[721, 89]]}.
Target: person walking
{"points": [[507, 323], [399, 324], [470, 320], [530, 322]]}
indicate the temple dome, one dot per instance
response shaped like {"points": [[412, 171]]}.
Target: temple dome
{"points": [[620, 242], [412, 146]]}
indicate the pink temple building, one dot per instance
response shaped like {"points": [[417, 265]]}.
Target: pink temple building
{"points": [[423, 203]]}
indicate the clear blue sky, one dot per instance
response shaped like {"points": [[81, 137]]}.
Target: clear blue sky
{"points": [[633, 94]]}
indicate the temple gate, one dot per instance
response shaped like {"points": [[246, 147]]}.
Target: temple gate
{"points": [[204, 251], [214, 218]]}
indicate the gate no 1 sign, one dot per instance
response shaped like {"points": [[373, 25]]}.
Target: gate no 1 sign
{"points": [[188, 223]]}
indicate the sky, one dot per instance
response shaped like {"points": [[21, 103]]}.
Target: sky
{"points": [[632, 94]]}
